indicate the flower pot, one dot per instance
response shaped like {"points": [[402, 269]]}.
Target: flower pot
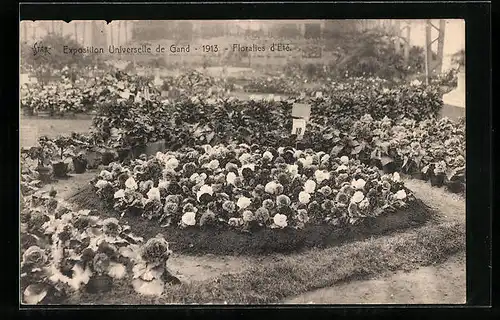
{"points": [[455, 186], [107, 157], [60, 169], [99, 284], [44, 173], [80, 165], [437, 180]]}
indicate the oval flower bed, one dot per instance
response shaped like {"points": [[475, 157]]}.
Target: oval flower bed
{"points": [[243, 188]]}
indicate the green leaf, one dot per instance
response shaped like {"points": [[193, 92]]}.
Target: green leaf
{"points": [[35, 293]]}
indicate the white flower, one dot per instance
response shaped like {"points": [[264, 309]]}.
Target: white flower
{"points": [[321, 175], [396, 177], [194, 177], [119, 194], [245, 158], [385, 90], [267, 155], [344, 159], [101, 184], [214, 164], [243, 202], [319, 94], [235, 222], [341, 168], [304, 197], [189, 218], [231, 178], [358, 184], [309, 186], [293, 169], [195, 99], [357, 197], [205, 189], [416, 82], [325, 158], [131, 184], [307, 161], [172, 163], [270, 187], [281, 150], [106, 175], [400, 195], [248, 216], [154, 194], [163, 184], [364, 204], [280, 220]]}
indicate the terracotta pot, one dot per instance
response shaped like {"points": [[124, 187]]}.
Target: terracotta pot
{"points": [[107, 157], [80, 165], [437, 180], [44, 173]]}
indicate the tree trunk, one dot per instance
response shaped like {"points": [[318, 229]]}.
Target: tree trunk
{"points": [[125, 23], [84, 40], [76, 31], [119, 32], [111, 33]]}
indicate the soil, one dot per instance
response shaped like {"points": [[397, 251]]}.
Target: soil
{"points": [[440, 284], [196, 241]]}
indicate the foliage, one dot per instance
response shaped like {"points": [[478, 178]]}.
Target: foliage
{"points": [[248, 187], [65, 251]]}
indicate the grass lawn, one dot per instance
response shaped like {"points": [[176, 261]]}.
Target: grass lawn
{"points": [[299, 273]]}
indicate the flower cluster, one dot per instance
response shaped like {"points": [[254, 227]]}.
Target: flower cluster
{"points": [[250, 187], [63, 249]]}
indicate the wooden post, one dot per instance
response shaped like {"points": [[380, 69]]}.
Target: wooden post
{"points": [[397, 41], [440, 45], [428, 51], [407, 43]]}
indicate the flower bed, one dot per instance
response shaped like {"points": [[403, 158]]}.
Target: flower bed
{"points": [[248, 189], [65, 252]]}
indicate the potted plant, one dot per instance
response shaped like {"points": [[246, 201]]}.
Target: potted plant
{"points": [[437, 179], [41, 154], [59, 166], [80, 162]]}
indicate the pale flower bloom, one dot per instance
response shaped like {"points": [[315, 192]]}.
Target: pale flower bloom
{"points": [[307, 161], [293, 169], [268, 156], [194, 177], [189, 218], [321, 175], [162, 184], [309, 186], [364, 204], [341, 168], [131, 184], [172, 163], [396, 177], [106, 175], [358, 184], [235, 222], [416, 82], [271, 187], [400, 195], [281, 150], [304, 197], [325, 158], [357, 197], [205, 189], [214, 164], [344, 159], [154, 194], [231, 178], [243, 202], [119, 194], [280, 220], [248, 216], [245, 158], [101, 184]]}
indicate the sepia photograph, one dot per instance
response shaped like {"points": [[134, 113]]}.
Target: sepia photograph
{"points": [[242, 162]]}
